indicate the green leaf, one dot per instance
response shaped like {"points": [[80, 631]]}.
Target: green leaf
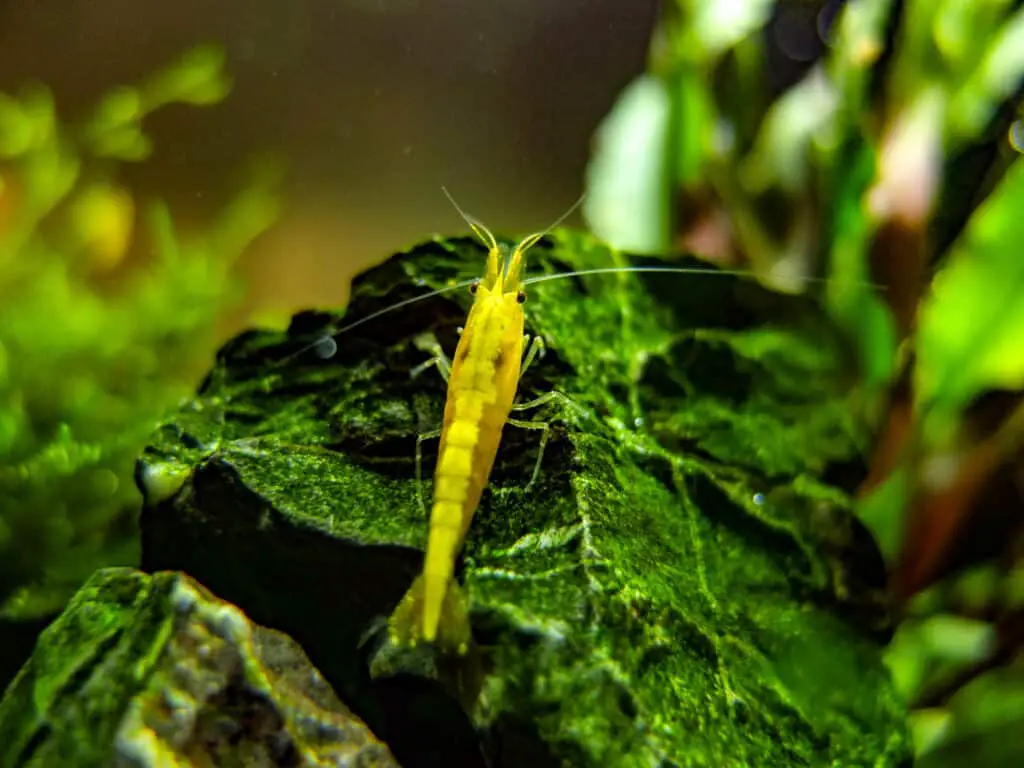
{"points": [[987, 723], [860, 41], [120, 106], [971, 329], [882, 511], [125, 142], [16, 127], [851, 299], [198, 78], [994, 80], [627, 189], [717, 26], [693, 113], [782, 152]]}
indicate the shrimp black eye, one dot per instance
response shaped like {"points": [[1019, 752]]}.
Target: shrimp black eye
{"points": [[521, 297], [473, 286]]}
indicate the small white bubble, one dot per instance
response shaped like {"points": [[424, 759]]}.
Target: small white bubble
{"points": [[638, 422], [325, 348], [1017, 135], [759, 499]]}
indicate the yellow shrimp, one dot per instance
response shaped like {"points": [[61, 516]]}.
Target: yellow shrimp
{"points": [[482, 385]]}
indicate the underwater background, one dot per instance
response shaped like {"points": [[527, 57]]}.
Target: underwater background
{"points": [[776, 516]]}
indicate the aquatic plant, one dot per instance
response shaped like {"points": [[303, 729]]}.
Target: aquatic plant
{"points": [[104, 319], [876, 144]]}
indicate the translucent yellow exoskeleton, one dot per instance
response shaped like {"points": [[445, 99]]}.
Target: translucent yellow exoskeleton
{"points": [[482, 383]]}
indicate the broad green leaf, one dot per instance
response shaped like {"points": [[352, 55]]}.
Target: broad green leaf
{"points": [[782, 152], [627, 182], [971, 328], [998, 75], [882, 512], [850, 297], [987, 723], [859, 43], [692, 124], [16, 127], [717, 26]]}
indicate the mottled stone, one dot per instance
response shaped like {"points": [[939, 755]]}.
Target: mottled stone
{"points": [[146, 671]]}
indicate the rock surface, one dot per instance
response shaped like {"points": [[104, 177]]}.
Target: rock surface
{"points": [[683, 586], [154, 671]]}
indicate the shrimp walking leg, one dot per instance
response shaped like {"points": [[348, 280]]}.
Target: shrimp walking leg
{"points": [[544, 426], [535, 350], [444, 367], [419, 465], [427, 342], [538, 401], [439, 361], [545, 431]]}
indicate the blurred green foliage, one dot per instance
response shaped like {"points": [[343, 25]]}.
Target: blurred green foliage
{"points": [[98, 338], [863, 169], [971, 329]]}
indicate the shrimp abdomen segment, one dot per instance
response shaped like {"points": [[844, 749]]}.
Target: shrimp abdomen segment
{"points": [[468, 447]]}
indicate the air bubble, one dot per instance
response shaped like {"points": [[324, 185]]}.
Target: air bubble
{"points": [[1017, 135], [325, 348], [759, 499]]}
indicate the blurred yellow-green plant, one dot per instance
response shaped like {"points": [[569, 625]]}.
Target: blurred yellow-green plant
{"points": [[875, 143], [96, 343]]}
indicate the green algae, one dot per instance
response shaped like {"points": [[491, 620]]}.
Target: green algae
{"points": [[154, 671], [684, 584]]}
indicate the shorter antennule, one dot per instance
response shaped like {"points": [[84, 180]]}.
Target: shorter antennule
{"points": [[478, 227], [494, 253]]}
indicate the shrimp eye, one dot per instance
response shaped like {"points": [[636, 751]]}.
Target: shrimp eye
{"points": [[473, 286], [521, 297]]}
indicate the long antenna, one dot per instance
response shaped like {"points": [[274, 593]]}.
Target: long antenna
{"points": [[709, 270], [330, 333], [567, 214]]}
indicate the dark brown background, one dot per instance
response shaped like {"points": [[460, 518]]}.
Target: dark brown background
{"points": [[374, 104]]}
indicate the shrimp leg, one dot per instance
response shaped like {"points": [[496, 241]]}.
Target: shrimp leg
{"points": [[544, 426], [419, 465], [443, 364], [545, 432], [539, 401], [439, 361], [535, 350]]}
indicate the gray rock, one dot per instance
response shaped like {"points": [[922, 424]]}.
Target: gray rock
{"points": [[684, 585], [144, 671]]}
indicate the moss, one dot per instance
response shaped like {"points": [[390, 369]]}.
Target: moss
{"points": [[683, 585], [106, 312], [149, 671]]}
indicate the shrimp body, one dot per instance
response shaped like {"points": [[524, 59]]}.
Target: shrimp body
{"points": [[481, 388]]}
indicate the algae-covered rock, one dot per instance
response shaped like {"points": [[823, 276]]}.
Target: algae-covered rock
{"points": [[683, 585], [154, 671]]}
